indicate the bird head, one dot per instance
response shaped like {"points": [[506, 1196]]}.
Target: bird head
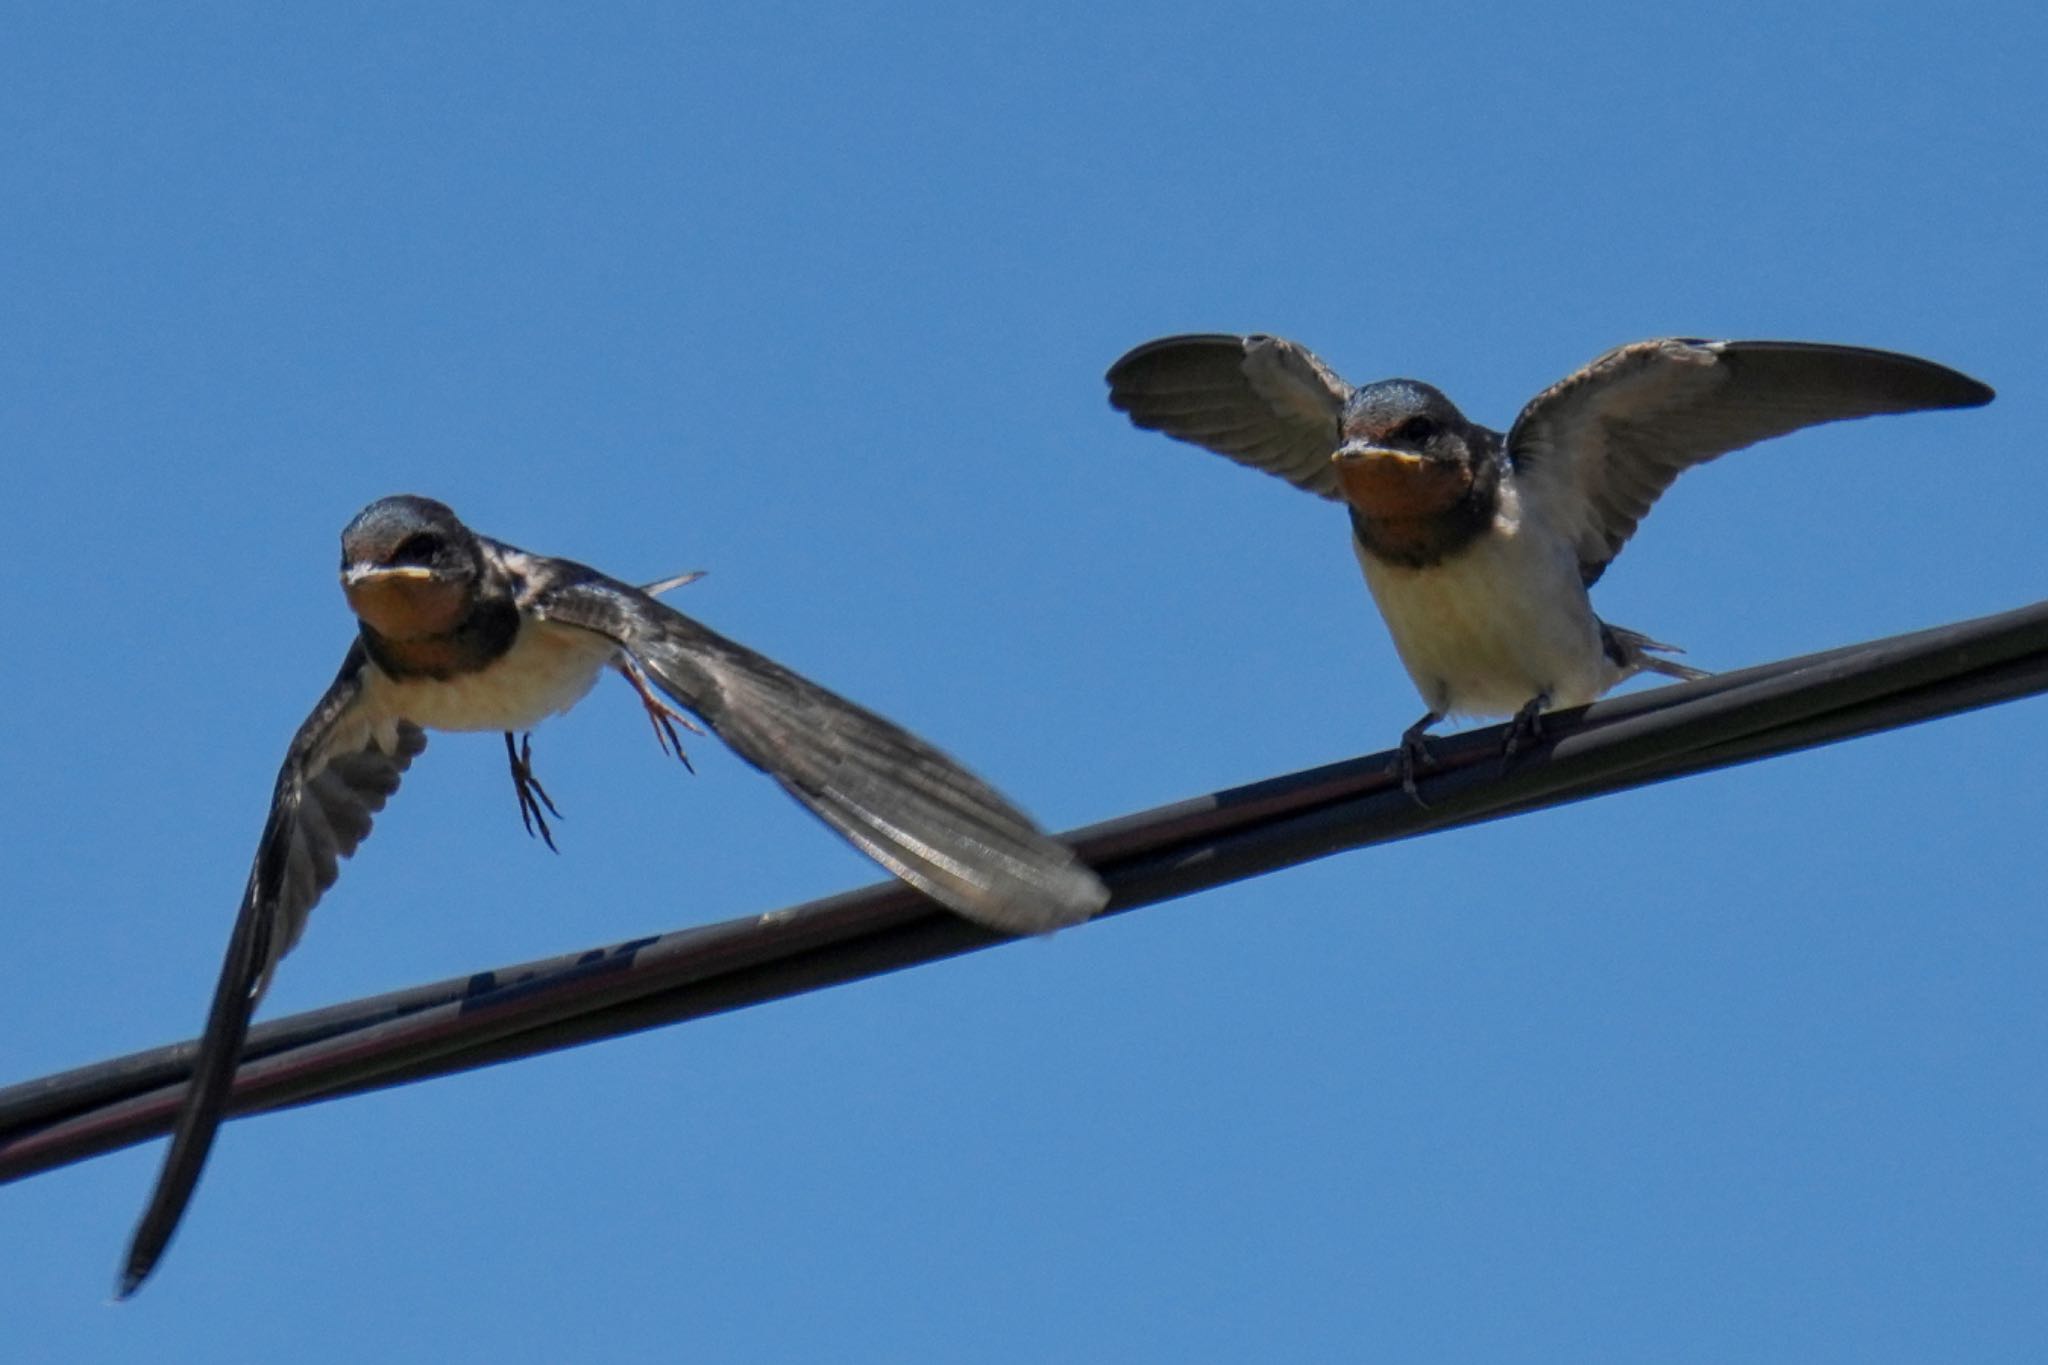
{"points": [[409, 567], [1407, 453]]}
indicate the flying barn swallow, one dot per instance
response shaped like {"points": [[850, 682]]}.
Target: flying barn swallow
{"points": [[1479, 547], [462, 632]]}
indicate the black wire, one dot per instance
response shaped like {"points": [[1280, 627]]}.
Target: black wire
{"points": [[513, 1012]]}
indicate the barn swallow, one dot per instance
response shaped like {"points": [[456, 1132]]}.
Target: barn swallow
{"points": [[1479, 547], [461, 632]]}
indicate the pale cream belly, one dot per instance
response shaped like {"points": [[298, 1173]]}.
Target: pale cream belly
{"points": [[548, 670], [1489, 629]]}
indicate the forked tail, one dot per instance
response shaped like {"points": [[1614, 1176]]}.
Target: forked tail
{"points": [[1631, 650]]}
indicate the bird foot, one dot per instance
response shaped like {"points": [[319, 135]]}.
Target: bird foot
{"points": [[662, 716], [1525, 729], [532, 796], [1413, 755]]}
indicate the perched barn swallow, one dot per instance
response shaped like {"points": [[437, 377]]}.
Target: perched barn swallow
{"points": [[462, 632], [1479, 547]]}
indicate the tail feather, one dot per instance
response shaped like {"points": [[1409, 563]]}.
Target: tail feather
{"points": [[1631, 650]]}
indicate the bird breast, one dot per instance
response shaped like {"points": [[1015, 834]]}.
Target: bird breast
{"points": [[547, 670], [1505, 618]]}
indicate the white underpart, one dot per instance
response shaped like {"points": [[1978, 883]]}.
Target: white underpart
{"points": [[548, 670], [1497, 623]]}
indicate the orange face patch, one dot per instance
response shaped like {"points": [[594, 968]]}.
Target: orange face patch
{"points": [[407, 604], [1393, 485]]}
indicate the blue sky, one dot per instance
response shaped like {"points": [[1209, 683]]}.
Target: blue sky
{"points": [[1745, 1067]]}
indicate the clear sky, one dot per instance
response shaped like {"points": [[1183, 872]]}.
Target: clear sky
{"points": [[818, 299]]}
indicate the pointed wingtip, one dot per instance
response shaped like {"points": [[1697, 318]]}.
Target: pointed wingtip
{"points": [[1054, 898], [1954, 389], [139, 1264], [1087, 894]]}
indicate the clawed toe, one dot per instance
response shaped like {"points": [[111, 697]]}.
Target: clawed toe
{"points": [[1524, 730], [1413, 755], [663, 717], [532, 796]]}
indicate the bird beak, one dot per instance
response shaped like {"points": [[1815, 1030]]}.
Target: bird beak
{"points": [[1359, 453], [356, 575]]}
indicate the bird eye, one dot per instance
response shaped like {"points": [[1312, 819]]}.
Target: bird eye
{"points": [[417, 548], [1416, 431]]}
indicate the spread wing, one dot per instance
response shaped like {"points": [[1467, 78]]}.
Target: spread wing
{"points": [[897, 799], [343, 764], [1600, 446], [1260, 400]]}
